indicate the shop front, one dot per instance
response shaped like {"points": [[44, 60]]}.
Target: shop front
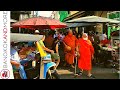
{"points": [[116, 16]]}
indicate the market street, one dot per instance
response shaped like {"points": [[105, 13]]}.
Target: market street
{"points": [[99, 73]]}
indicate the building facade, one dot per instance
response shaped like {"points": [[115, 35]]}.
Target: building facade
{"points": [[20, 15]]}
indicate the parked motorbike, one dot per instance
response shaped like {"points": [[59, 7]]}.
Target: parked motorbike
{"points": [[33, 65], [36, 67]]}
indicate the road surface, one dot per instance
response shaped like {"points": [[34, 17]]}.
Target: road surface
{"points": [[98, 72]]}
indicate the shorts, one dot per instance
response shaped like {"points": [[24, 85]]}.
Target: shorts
{"points": [[55, 56]]}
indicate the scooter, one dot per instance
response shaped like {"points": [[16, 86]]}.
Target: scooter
{"points": [[37, 68]]}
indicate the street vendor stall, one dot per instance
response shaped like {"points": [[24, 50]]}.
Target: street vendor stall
{"points": [[93, 20]]}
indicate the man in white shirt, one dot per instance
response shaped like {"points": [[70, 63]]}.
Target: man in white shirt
{"points": [[15, 61], [104, 36]]}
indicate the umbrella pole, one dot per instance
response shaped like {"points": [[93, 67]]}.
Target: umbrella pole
{"points": [[19, 29]]}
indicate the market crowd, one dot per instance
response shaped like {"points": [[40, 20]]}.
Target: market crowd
{"points": [[64, 46]]}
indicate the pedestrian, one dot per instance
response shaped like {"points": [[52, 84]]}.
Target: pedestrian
{"points": [[96, 48], [56, 34], [70, 44], [86, 52], [77, 48], [90, 37], [96, 38], [104, 36], [49, 40], [55, 47]]}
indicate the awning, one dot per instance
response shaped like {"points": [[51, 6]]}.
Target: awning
{"points": [[93, 19], [12, 20], [79, 24], [18, 37]]}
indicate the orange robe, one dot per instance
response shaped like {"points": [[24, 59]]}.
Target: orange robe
{"points": [[70, 41], [86, 51]]}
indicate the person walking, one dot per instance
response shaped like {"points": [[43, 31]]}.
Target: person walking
{"points": [[49, 40], [70, 44], [55, 47], [86, 52]]}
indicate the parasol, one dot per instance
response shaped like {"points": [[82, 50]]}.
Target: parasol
{"points": [[39, 23]]}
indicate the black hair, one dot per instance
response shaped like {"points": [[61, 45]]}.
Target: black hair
{"points": [[55, 39], [78, 35], [96, 32]]}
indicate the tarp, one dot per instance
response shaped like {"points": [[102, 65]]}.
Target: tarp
{"points": [[93, 19], [79, 24], [12, 20], [17, 37]]}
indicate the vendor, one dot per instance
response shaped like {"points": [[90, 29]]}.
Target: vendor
{"points": [[105, 42]]}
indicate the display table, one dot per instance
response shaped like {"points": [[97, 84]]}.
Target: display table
{"points": [[108, 49]]}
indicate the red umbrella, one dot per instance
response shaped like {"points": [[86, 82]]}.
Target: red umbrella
{"points": [[39, 23]]}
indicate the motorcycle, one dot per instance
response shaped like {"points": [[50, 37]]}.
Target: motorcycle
{"points": [[35, 66]]}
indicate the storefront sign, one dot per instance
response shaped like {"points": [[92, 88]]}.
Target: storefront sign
{"points": [[114, 15]]}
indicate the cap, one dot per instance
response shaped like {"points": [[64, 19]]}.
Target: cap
{"points": [[37, 31]]}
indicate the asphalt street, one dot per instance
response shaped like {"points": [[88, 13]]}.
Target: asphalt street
{"points": [[98, 72]]}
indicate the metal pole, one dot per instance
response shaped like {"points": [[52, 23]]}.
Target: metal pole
{"points": [[41, 69], [75, 73]]}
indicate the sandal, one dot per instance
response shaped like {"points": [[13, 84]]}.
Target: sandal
{"points": [[91, 76], [80, 73]]}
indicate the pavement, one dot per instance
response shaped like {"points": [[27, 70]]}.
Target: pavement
{"points": [[98, 72]]}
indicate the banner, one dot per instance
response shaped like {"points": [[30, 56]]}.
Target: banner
{"points": [[63, 15], [6, 71], [116, 16]]}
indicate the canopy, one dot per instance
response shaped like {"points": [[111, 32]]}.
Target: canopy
{"points": [[12, 20], [79, 24], [93, 19], [17, 37], [39, 23]]}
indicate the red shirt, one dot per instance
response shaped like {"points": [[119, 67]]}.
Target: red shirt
{"points": [[105, 41]]}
